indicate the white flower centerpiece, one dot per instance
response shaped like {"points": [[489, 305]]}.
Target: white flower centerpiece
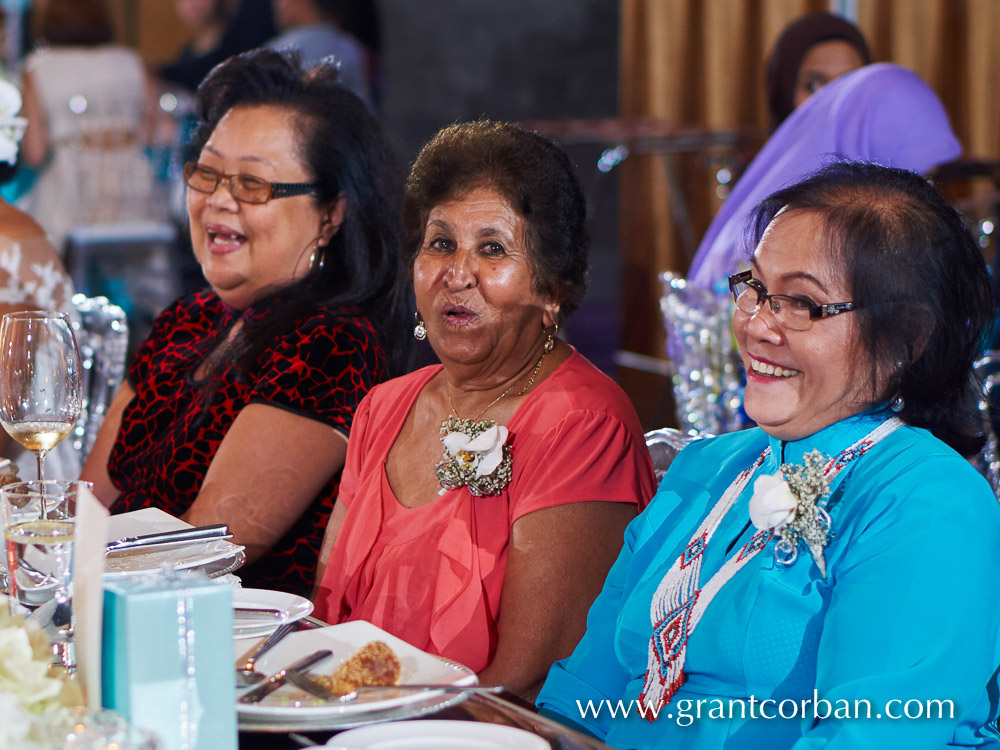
{"points": [[793, 503], [30, 687]]}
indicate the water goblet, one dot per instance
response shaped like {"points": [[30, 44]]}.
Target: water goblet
{"points": [[39, 528], [40, 380]]}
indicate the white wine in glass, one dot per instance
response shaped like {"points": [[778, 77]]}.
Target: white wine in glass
{"points": [[40, 380]]}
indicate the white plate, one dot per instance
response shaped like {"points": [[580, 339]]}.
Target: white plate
{"points": [[149, 560], [290, 606], [289, 704], [438, 735]]}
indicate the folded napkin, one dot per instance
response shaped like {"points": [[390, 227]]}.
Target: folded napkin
{"points": [[88, 591]]}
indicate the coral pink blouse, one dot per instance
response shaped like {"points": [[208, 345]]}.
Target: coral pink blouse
{"points": [[433, 575]]}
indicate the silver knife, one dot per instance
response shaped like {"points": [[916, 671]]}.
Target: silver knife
{"points": [[276, 680], [311, 686], [178, 536], [257, 613]]}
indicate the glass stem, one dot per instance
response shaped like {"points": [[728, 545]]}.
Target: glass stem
{"points": [[40, 456]]}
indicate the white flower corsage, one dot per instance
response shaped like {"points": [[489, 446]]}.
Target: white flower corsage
{"points": [[476, 455], [772, 504], [793, 503]]}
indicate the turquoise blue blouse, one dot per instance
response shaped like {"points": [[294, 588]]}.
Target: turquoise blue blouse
{"points": [[907, 619]]}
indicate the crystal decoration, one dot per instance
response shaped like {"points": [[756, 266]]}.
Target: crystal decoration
{"points": [[708, 375]]}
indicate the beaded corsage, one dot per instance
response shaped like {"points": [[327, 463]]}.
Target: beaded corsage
{"points": [[793, 503], [476, 455]]}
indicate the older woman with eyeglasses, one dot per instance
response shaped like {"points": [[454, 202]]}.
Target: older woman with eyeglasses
{"points": [[238, 405], [827, 579]]}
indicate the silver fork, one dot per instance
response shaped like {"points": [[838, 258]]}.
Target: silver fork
{"points": [[248, 675]]}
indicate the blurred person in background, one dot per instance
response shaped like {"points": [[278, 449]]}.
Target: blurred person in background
{"points": [[220, 29], [309, 27], [85, 102], [880, 113], [811, 52], [31, 275], [238, 406]]}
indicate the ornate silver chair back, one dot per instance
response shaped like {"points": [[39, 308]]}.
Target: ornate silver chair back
{"points": [[102, 335], [707, 370]]}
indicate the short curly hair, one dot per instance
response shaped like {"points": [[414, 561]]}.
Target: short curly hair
{"points": [[534, 175]]}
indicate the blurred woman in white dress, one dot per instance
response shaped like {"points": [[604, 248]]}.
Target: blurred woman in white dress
{"points": [[85, 104], [31, 274]]}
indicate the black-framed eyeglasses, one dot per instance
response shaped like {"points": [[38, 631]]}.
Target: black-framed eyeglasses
{"points": [[792, 312], [243, 187]]}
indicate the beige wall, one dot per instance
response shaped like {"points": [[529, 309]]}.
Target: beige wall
{"points": [[151, 26]]}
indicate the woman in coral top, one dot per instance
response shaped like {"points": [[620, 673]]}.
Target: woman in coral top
{"points": [[484, 499]]}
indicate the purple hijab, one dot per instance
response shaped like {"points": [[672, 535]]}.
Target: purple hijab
{"points": [[880, 113]]}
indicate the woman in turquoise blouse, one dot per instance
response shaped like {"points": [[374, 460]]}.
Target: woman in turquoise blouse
{"points": [[827, 579]]}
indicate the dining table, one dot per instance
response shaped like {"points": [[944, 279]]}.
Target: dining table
{"points": [[295, 727], [504, 708]]}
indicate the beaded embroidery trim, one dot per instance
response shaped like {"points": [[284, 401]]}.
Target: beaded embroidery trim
{"points": [[678, 604]]}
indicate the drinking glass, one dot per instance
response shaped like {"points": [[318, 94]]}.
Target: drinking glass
{"points": [[40, 380], [39, 520], [80, 728]]}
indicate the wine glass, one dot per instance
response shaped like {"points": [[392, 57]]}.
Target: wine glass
{"points": [[40, 380]]}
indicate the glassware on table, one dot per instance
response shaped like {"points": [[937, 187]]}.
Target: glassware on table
{"points": [[81, 728], [39, 521], [40, 380]]}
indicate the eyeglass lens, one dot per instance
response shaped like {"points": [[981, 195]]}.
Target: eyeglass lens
{"points": [[788, 311], [243, 187]]}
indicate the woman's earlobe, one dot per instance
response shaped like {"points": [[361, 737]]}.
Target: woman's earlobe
{"points": [[335, 217], [550, 314]]}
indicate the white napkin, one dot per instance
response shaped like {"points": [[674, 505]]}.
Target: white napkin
{"points": [[88, 591]]}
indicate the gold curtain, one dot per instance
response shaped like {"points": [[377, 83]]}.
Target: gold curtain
{"points": [[700, 63]]}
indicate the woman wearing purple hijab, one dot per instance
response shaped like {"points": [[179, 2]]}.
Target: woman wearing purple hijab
{"points": [[880, 113], [811, 51]]}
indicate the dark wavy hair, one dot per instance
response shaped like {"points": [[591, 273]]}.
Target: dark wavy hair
{"points": [[341, 145], [532, 173], [920, 286]]}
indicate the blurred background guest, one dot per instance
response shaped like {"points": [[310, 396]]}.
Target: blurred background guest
{"points": [[811, 52], [490, 549], [810, 556], [880, 113], [220, 29], [85, 101], [31, 274], [238, 406], [206, 21], [309, 27]]}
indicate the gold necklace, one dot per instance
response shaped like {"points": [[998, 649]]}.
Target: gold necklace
{"points": [[491, 404]]}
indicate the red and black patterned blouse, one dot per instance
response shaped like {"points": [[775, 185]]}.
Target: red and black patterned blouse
{"points": [[169, 434]]}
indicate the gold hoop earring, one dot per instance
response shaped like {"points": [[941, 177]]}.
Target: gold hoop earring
{"points": [[550, 343], [420, 330]]}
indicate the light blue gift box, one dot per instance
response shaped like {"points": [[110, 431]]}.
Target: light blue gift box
{"points": [[167, 659]]}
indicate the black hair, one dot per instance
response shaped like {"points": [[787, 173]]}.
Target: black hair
{"points": [[532, 173], [918, 281], [341, 145]]}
